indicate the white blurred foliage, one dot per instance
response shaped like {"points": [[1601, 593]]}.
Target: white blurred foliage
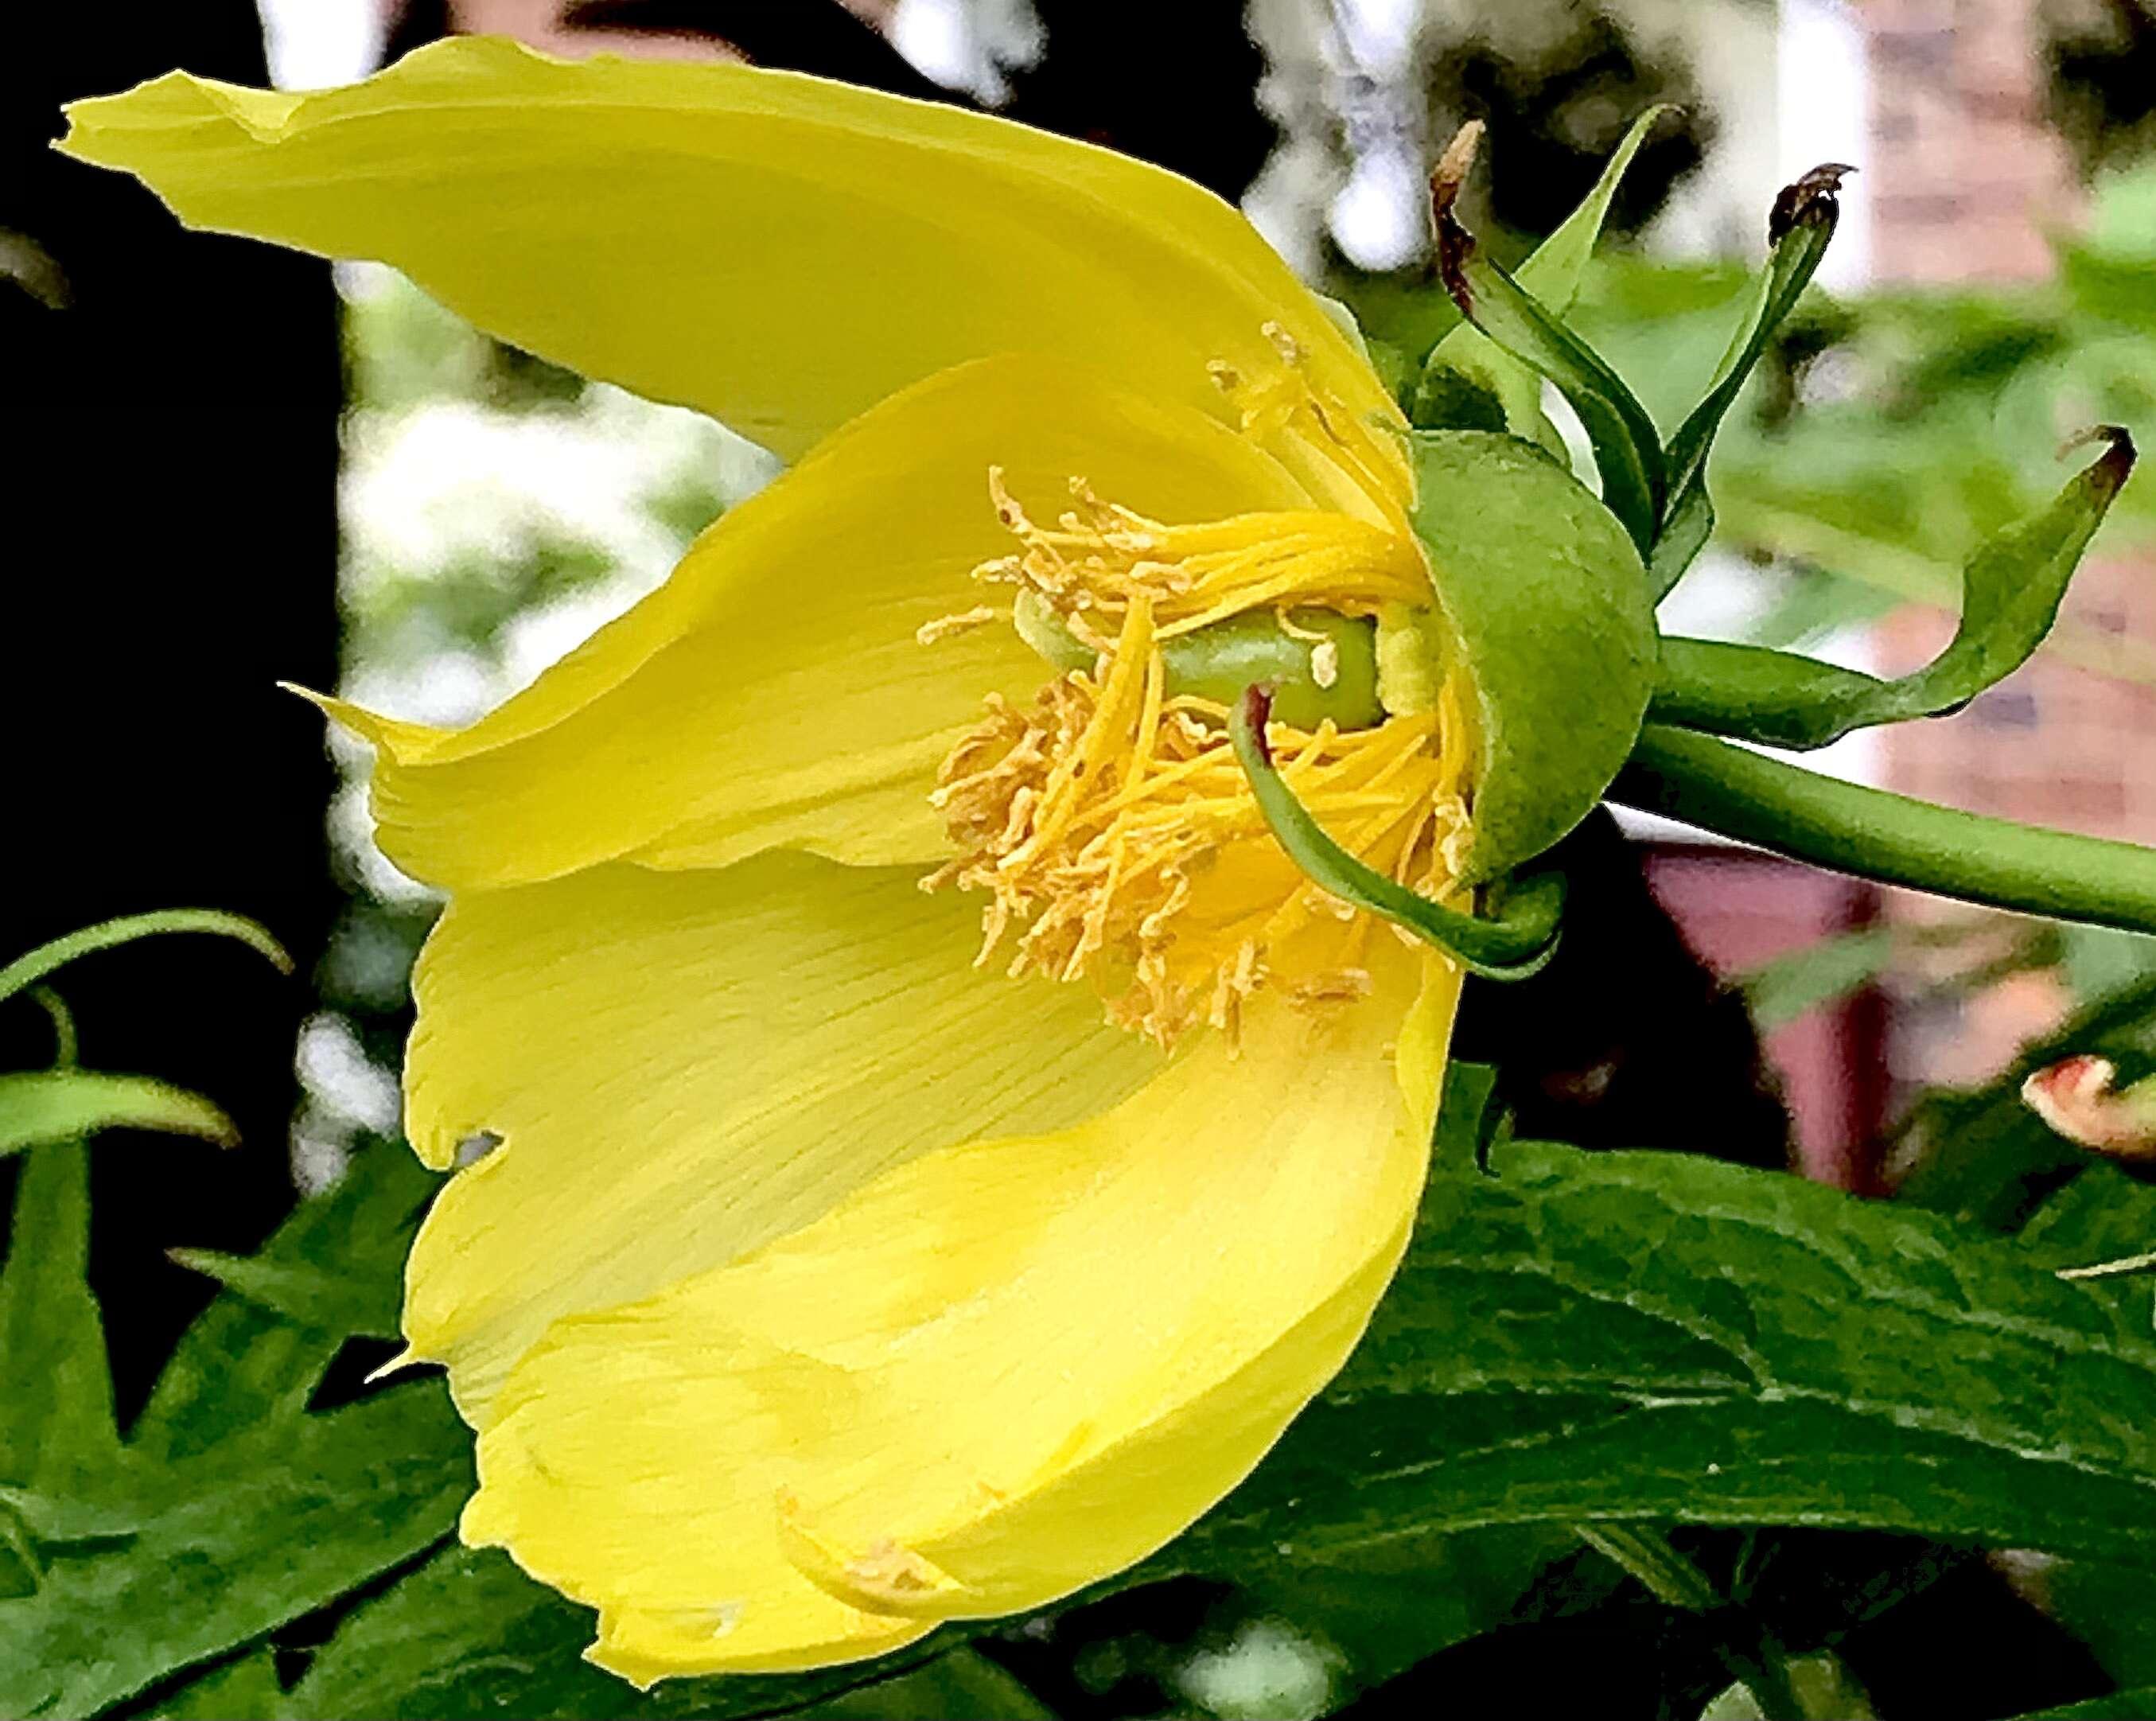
{"points": [[1270, 1673], [345, 1093], [443, 492], [341, 1076], [314, 44], [968, 44]]}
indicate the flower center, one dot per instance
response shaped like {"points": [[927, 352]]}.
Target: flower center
{"points": [[1109, 824]]}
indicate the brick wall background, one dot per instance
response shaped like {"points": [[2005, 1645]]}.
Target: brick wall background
{"points": [[1968, 179]]}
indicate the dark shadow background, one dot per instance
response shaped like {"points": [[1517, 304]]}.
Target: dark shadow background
{"points": [[169, 518]]}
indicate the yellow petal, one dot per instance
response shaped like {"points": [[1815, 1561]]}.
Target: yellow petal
{"points": [[778, 250], [773, 690], [681, 1066], [995, 1374]]}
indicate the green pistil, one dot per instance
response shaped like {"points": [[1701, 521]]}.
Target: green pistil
{"points": [[1331, 675], [1515, 941]]}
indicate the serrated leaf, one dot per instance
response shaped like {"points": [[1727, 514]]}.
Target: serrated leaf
{"points": [[232, 1508], [241, 1362], [243, 1690], [468, 1634], [1637, 1336], [258, 1529], [308, 1296], [46, 1106]]}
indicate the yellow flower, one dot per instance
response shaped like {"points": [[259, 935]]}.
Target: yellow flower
{"points": [[828, 1281]]}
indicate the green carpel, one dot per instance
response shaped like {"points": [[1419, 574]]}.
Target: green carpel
{"points": [[1330, 677]]}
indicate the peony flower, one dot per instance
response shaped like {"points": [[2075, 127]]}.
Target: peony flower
{"points": [[916, 1137]]}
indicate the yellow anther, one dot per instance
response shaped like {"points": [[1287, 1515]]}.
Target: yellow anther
{"points": [[1282, 404], [944, 626], [1110, 827]]}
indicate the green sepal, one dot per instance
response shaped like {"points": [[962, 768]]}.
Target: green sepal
{"points": [[1542, 602], [1515, 941], [2012, 589], [1464, 366], [1799, 231], [1627, 453]]}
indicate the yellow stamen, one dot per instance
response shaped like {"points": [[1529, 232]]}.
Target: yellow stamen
{"points": [[1110, 826], [944, 626], [1281, 400], [1089, 565]]}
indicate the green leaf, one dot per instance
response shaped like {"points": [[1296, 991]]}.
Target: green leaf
{"points": [[1781, 991], [308, 1296], [2011, 592], [1466, 1128], [232, 1507], [1821, 1684], [1544, 601], [1395, 1604], [1517, 938], [56, 1417], [268, 1525], [2136, 1704], [1627, 452], [961, 1685], [2105, 1607], [1559, 266], [243, 1690], [1655, 1337], [28, 970], [66, 1105], [1798, 233], [468, 1634], [242, 1363]]}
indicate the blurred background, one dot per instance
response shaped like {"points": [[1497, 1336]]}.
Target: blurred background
{"points": [[227, 466]]}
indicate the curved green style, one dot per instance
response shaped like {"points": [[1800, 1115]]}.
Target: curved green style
{"points": [[1510, 945]]}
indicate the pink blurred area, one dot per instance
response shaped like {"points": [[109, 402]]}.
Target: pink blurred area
{"points": [[1740, 910]]}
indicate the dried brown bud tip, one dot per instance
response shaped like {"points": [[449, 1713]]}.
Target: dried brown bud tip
{"points": [[1811, 198]]}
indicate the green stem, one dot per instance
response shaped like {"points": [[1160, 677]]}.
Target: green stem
{"points": [[64, 1042], [1892, 838], [27, 970]]}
